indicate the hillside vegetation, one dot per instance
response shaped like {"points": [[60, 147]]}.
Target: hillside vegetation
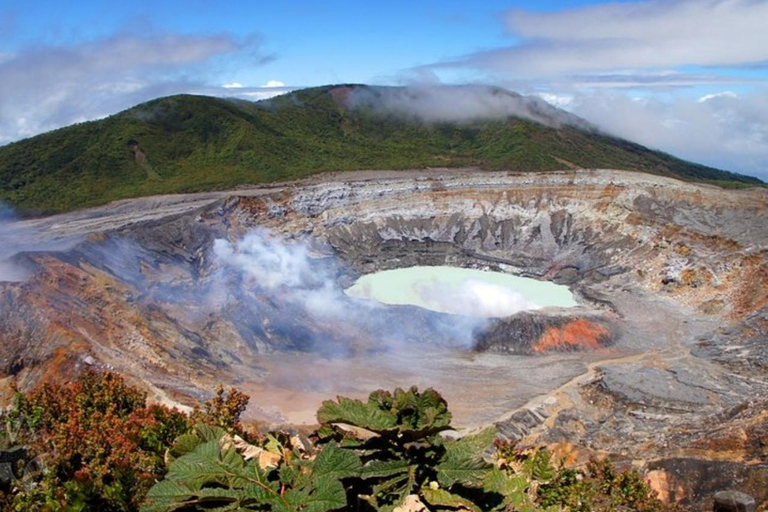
{"points": [[96, 445], [196, 143]]}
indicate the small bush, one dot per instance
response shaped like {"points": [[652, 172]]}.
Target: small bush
{"points": [[101, 447], [101, 444]]}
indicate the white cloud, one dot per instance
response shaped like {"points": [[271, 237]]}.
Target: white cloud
{"points": [[557, 100], [644, 35], [473, 298], [723, 94], [725, 130], [459, 104], [233, 85], [589, 60], [274, 83], [46, 87]]}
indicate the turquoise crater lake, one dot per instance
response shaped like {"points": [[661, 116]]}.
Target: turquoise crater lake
{"points": [[461, 291]]}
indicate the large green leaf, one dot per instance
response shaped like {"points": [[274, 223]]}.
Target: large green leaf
{"points": [[511, 487], [420, 411], [209, 432], [329, 494], [410, 413], [336, 463], [167, 495], [357, 413], [463, 463], [381, 468], [211, 476], [182, 445], [441, 499], [214, 476]]}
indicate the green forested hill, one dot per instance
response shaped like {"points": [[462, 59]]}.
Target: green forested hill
{"points": [[193, 143]]}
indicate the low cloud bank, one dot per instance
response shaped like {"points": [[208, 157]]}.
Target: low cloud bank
{"points": [[458, 104], [724, 130], [49, 86]]}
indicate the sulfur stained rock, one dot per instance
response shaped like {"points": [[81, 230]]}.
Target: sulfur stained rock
{"points": [[140, 292]]}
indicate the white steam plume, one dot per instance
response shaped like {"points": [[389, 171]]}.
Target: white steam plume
{"points": [[281, 268], [275, 267], [17, 236], [474, 298]]}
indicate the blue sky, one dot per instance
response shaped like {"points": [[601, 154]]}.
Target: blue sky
{"points": [[312, 42], [685, 76]]}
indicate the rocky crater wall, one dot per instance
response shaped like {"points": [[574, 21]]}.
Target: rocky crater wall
{"points": [[671, 279]]}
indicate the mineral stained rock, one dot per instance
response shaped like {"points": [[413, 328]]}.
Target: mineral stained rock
{"points": [[663, 360]]}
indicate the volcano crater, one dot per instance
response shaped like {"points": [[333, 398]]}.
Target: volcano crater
{"points": [[247, 288]]}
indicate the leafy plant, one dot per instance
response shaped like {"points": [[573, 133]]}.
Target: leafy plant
{"points": [[223, 410], [102, 445], [95, 444], [397, 437], [216, 476], [601, 487]]}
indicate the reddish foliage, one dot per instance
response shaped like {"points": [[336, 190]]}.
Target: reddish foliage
{"points": [[223, 410], [103, 444]]}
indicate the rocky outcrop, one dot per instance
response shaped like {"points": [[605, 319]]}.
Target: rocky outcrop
{"points": [[532, 333]]}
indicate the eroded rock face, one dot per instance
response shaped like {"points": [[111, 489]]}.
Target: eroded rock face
{"points": [[532, 333], [667, 342]]}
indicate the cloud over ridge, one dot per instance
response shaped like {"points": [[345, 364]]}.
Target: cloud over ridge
{"points": [[45, 87]]}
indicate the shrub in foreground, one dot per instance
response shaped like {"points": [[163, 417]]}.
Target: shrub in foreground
{"points": [[96, 444]]}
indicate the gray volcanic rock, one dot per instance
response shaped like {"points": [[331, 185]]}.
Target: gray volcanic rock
{"points": [[529, 333], [694, 483], [671, 280], [741, 346], [655, 387]]}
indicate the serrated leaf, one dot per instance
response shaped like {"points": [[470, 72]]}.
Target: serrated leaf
{"points": [[329, 494], [182, 445], [288, 475], [211, 476], [356, 413], [481, 441], [199, 467], [253, 472], [443, 498], [380, 468], [463, 463], [209, 432], [166, 496], [420, 411], [511, 488], [335, 462], [541, 466]]}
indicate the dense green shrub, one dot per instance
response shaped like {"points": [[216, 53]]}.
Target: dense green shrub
{"points": [[95, 444]]}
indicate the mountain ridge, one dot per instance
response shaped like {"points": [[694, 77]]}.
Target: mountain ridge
{"points": [[188, 143]]}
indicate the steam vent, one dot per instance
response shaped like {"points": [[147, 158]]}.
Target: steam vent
{"points": [[660, 357]]}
